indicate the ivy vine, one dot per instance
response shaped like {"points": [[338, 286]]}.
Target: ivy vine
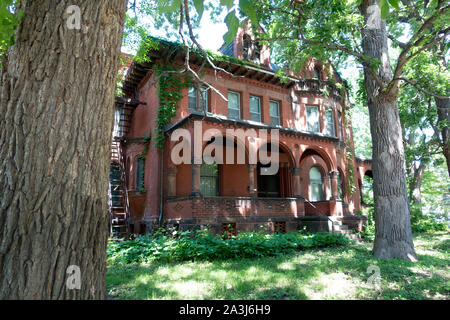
{"points": [[349, 152], [170, 84]]}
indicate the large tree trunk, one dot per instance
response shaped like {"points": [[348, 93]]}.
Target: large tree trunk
{"points": [[443, 111], [393, 235], [56, 115]]}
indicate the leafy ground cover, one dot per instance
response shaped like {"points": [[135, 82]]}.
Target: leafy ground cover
{"points": [[339, 272]]}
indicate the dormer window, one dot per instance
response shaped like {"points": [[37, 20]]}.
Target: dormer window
{"points": [[246, 46], [250, 51], [317, 73]]}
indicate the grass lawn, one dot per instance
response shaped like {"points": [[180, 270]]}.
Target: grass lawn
{"points": [[332, 273]]}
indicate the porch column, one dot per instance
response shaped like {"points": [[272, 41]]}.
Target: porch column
{"points": [[195, 180], [297, 185], [334, 185], [172, 182], [251, 180]]}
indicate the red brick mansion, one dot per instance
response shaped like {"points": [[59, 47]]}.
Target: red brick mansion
{"points": [[318, 181]]}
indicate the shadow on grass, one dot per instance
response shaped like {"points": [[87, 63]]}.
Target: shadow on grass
{"points": [[284, 277]]}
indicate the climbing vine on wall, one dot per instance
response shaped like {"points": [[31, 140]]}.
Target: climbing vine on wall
{"points": [[349, 152], [170, 84]]}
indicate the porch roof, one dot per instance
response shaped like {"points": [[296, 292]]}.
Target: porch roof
{"points": [[216, 118]]}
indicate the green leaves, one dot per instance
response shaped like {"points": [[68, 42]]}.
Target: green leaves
{"points": [[168, 6], [227, 3], [233, 24], [8, 22], [384, 6], [199, 7], [247, 8]]}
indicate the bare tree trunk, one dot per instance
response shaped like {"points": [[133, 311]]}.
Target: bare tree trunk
{"points": [[56, 115], [443, 111], [393, 236]]}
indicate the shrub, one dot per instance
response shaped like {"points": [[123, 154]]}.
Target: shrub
{"points": [[203, 245]]}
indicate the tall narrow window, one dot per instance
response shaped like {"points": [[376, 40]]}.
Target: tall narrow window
{"points": [[246, 46], [275, 113], [192, 98], [317, 73], [209, 180], [340, 186], [204, 98], [341, 132], [316, 184], [312, 118], [234, 105], [329, 119], [140, 173], [255, 109]]}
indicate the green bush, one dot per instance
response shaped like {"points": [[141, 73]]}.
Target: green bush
{"points": [[420, 223], [202, 245], [428, 225]]}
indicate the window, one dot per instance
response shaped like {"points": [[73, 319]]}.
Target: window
{"points": [[312, 118], [275, 113], [255, 109], [209, 180], [341, 133], [246, 46], [340, 186], [192, 98], [316, 184], [234, 105], [140, 173], [317, 73], [329, 119]]}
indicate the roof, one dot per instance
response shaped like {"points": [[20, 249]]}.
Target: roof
{"points": [[169, 52]]}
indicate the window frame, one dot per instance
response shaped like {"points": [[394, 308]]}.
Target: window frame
{"points": [[318, 118], [259, 106], [327, 131], [321, 196], [138, 183], [239, 106], [214, 177], [279, 112]]}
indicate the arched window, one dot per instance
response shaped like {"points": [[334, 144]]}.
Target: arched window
{"points": [[246, 46], [317, 73], [316, 184]]}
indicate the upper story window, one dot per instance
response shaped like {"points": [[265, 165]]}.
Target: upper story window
{"points": [[275, 119], [312, 118], [317, 73], [246, 46], [329, 122], [341, 132], [234, 105], [140, 173], [193, 97], [255, 109], [251, 51], [316, 184]]}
